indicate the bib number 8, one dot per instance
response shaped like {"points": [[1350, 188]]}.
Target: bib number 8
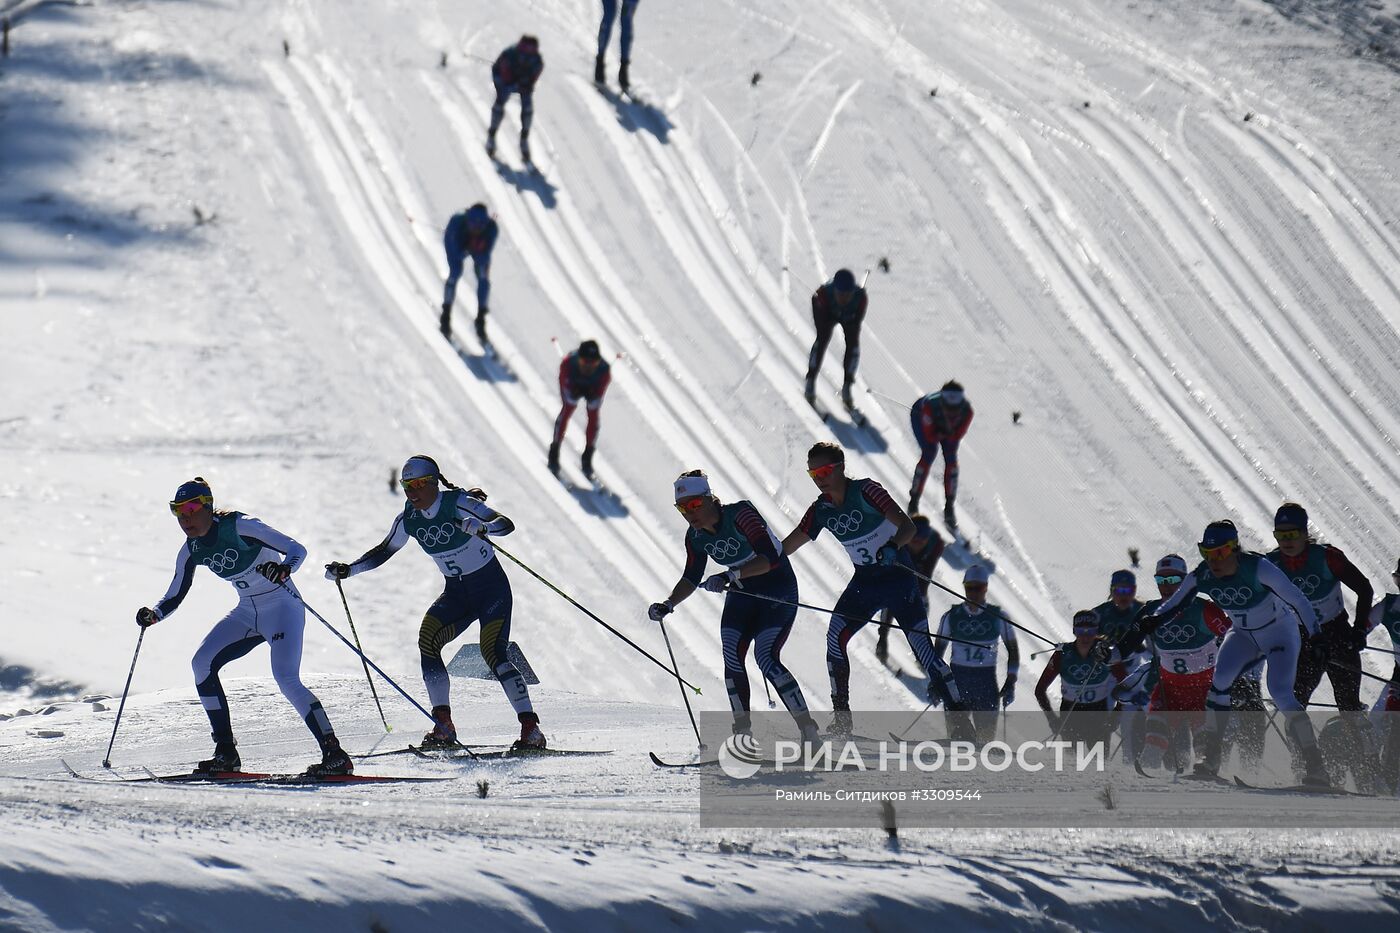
{"points": [[1179, 666]]}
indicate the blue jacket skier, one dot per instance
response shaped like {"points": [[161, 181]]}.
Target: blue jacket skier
{"points": [[610, 11], [515, 71], [471, 233]]}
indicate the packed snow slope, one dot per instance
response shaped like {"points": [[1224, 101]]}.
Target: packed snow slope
{"points": [[1167, 237]]}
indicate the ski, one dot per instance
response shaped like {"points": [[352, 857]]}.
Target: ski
{"points": [[700, 763], [513, 751], [415, 750], [1304, 789], [252, 777]]}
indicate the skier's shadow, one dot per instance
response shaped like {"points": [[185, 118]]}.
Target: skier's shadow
{"points": [[483, 367], [596, 502], [526, 180], [634, 114], [867, 439]]}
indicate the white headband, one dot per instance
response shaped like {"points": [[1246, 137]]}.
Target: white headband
{"points": [[417, 467], [687, 486]]}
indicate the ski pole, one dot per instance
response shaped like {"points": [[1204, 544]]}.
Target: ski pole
{"points": [[583, 609], [915, 722], [107, 759], [962, 598], [684, 696], [833, 612], [1357, 670], [358, 647], [767, 692], [377, 669]]}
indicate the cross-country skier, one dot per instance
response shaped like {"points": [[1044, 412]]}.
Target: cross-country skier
{"points": [[873, 530], [610, 11], [583, 376], [452, 526], [1320, 571], [1118, 626], [471, 233], [1087, 670], [839, 301], [925, 549], [976, 621], [1386, 614], [515, 71], [259, 561], [940, 421], [1185, 650], [756, 574], [1262, 604]]}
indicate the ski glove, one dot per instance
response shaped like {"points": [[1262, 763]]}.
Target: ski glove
{"points": [[720, 582], [277, 573], [146, 617], [1101, 652], [659, 611], [335, 570], [474, 526], [1008, 692], [887, 555]]}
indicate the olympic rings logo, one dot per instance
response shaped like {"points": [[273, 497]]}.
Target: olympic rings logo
{"points": [[1176, 634], [1079, 671], [974, 628], [723, 549], [225, 560], [845, 524], [1309, 584], [1232, 595], [434, 535]]}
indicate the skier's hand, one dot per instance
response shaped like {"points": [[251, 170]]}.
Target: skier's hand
{"points": [[1008, 692], [887, 555], [335, 570], [1101, 652], [275, 572], [146, 617], [1316, 650], [474, 526], [719, 582], [659, 611], [1356, 638]]}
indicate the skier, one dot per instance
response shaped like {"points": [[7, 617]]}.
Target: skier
{"points": [[471, 233], [975, 669], [1320, 571], [839, 301], [735, 535], [583, 375], [259, 561], [873, 530], [610, 10], [1118, 626], [1386, 614], [452, 525], [940, 420], [925, 549], [1186, 650], [1087, 669], [515, 71], [1258, 597]]}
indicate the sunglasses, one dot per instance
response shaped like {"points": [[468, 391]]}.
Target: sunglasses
{"points": [[1289, 534], [823, 471], [1124, 590], [190, 506], [975, 586], [1219, 552], [952, 398], [418, 483], [690, 504], [1169, 579]]}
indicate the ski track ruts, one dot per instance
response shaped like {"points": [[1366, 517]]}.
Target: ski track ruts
{"points": [[1215, 277], [374, 227], [733, 267], [573, 248]]}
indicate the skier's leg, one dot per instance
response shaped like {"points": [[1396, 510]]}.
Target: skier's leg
{"points": [[605, 27], [825, 326], [498, 108], [482, 267], [851, 362], [950, 472], [629, 8], [561, 423], [527, 114], [851, 613], [1237, 652], [1346, 684], [1307, 677], [283, 623], [928, 453], [446, 619], [230, 639], [734, 646], [494, 594], [768, 646], [590, 435], [454, 273], [911, 612]]}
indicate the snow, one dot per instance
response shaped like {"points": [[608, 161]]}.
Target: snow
{"points": [[219, 259]]}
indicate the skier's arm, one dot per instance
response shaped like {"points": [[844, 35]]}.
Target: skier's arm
{"points": [[1013, 649], [961, 432], [876, 495], [179, 585], [566, 389], [803, 533], [1047, 677], [695, 562], [395, 539], [752, 526], [1353, 579], [603, 382], [255, 531], [1276, 581], [494, 523], [1216, 619], [939, 644]]}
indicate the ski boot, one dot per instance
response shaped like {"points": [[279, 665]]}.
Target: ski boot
{"points": [[842, 722], [811, 735], [531, 738], [846, 399], [491, 145], [554, 458], [809, 392], [600, 76], [445, 323], [1315, 773], [742, 725], [622, 80], [525, 149], [333, 759], [587, 464], [950, 518], [1209, 765], [225, 759], [481, 325], [444, 733]]}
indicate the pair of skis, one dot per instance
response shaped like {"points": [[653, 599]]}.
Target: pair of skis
{"points": [[480, 753], [252, 777]]}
